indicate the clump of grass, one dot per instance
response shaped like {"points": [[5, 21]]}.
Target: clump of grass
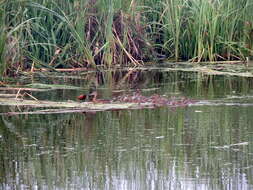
{"points": [[9, 45], [77, 33], [119, 35], [203, 30]]}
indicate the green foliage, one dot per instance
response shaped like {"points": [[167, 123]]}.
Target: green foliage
{"points": [[205, 30], [2, 38], [79, 33]]}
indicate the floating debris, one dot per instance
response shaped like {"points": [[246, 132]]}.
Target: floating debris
{"points": [[51, 86], [135, 101], [231, 145], [156, 100]]}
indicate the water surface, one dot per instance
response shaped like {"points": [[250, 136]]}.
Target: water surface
{"points": [[199, 147]]}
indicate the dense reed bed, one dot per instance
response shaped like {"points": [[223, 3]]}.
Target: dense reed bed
{"points": [[87, 33]]}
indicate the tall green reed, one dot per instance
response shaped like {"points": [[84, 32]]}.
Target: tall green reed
{"points": [[60, 29], [77, 33], [172, 20], [11, 25], [205, 30], [2, 39]]}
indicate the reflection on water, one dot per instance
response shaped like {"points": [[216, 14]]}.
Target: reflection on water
{"points": [[198, 147]]}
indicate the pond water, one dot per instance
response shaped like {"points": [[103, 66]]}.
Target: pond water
{"points": [[198, 147]]}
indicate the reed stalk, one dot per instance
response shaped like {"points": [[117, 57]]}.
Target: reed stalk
{"points": [[2, 38]]}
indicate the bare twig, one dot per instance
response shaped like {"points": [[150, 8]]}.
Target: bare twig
{"points": [[17, 94], [31, 96]]}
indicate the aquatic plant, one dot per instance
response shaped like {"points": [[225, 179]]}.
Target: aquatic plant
{"points": [[86, 33], [206, 30], [2, 39]]}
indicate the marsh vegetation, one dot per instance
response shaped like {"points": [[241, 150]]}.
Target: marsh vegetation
{"points": [[199, 136], [86, 33]]}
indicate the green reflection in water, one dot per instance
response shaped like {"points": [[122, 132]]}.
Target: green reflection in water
{"points": [[160, 149], [198, 147], [192, 85]]}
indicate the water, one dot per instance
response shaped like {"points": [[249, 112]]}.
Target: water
{"points": [[199, 147]]}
